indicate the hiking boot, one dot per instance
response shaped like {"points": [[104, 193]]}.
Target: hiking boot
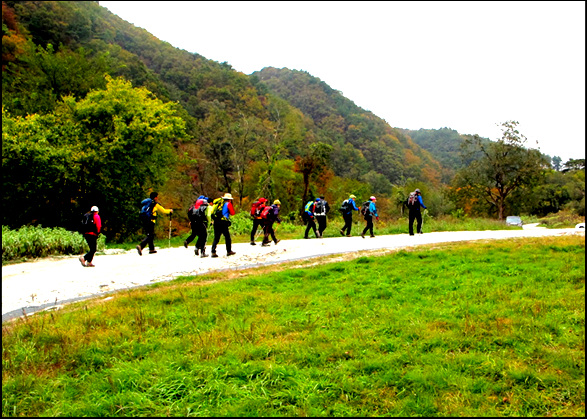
{"points": [[204, 254], [277, 241], [196, 251], [214, 255], [372, 236], [306, 237], [348, 235], [265, 244], [362, 235], [82, 261], [152, 251], [230, 253], [253, 244], [90, 265], [185, 244], [341, 233], [140, 250]]}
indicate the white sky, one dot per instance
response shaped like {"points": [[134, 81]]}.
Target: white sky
{"points": [[468, 66]]}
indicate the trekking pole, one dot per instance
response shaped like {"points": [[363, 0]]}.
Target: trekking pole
{"points": [[169, 242]]}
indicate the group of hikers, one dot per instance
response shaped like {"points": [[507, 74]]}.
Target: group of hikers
{"points": [[205, 211]]}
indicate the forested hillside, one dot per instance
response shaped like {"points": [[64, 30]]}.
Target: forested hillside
{"points": [[241, 134], [96, 111]]}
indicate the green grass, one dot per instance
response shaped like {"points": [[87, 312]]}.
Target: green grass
{"points": [[485, 329]]}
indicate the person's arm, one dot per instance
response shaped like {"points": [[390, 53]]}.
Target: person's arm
{"points": [[354, 205], [230, 208], [421, 202], [373, 210], [158, 208], [98, 222]]}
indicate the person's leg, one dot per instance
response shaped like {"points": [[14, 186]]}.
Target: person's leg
{"points": [[348, 223], [192, 236], [227, 239], [266, 232], [308, 227], [149, 228], [419, 222], [201, 232], [321, 224], [92, 244], [272, 232], [411, 217], [256, 224], [217, 234], [370, 224]]}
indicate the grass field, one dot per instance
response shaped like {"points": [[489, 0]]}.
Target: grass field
{"points": [[491, 328]]}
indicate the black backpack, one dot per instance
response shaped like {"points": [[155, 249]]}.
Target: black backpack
{"points": [[198, 215], [344, 208], [412, 201], [87, 224], [320, 208], [365, 208]]}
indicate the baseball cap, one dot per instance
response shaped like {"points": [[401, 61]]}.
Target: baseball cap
{"points": [[94, 209]]}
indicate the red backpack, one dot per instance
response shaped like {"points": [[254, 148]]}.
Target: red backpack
{"points": [[256, 209], [265, 212]]}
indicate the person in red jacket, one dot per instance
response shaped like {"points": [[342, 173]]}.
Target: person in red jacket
{"points": [[91, 237]]}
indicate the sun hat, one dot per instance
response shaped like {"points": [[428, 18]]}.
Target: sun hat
{"points": [[94, 209], [227, 196], [418, 191], [353, 197], [373, 198], [277, 202]]}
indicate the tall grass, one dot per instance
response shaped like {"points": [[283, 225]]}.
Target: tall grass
{"points": [[485, 329], [34, 242]]}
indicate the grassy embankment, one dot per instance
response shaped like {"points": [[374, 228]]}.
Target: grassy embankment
{"points": [[480, 329]]}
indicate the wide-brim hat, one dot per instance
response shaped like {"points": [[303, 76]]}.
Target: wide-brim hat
{"points": [[227, 196]]}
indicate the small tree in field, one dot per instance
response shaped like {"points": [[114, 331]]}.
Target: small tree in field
{"points": [[504, 167]]}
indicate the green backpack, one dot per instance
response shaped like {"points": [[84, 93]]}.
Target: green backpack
{"points": [[217, 206]]}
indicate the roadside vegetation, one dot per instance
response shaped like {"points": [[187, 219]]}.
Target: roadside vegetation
{"points": [[463, 329]]}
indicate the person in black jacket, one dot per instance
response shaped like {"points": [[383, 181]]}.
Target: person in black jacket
{"points": [[414, 212], [320, 211]]}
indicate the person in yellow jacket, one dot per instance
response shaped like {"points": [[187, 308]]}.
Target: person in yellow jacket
{"points": [[148, 215]]}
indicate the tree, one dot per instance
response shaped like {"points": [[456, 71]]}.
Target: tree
{"points": [[504, 167]]}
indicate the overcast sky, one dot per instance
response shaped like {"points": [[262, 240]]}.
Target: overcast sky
{"points": [[468, 66]]}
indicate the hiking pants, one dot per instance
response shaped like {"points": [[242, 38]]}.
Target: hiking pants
{"points": [[199, 230], [149, 228], [93, 244], [418, 217], [221, 229], [257, 222], [311, 225], [369, 226], [269, 231], [321, 223], [348, 223]]}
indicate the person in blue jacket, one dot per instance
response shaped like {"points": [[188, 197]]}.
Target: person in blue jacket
{"points": [[347, 214], [369, 217]]}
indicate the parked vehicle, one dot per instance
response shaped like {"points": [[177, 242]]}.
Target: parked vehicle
{"points": [[513, 220]]}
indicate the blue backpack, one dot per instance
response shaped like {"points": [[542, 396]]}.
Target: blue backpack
{"points": [[147, 206]]}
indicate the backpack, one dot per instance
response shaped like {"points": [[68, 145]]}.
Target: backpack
{"points": [[320, 208], [257, 209], [365, 210], [344, 208], [265, 212], [147, 206], [217, 206], [198, 214], [412, 201], [87, 224]]}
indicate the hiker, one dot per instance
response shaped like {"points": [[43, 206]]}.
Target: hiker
{"points": [[91, 234], [199, 225], [221, 212], [150, 209], [320, 211], [309, 213], [256, 210], [369, 211], [347, 208], [414, 202], [270, 215]]}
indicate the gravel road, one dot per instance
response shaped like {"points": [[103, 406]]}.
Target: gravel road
{"points": [[49, 283]]}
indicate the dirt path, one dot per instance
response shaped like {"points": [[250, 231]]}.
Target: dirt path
{"points": [[51, 282]]}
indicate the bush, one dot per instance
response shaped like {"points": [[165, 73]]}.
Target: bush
{"points": [[35, 242]]}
